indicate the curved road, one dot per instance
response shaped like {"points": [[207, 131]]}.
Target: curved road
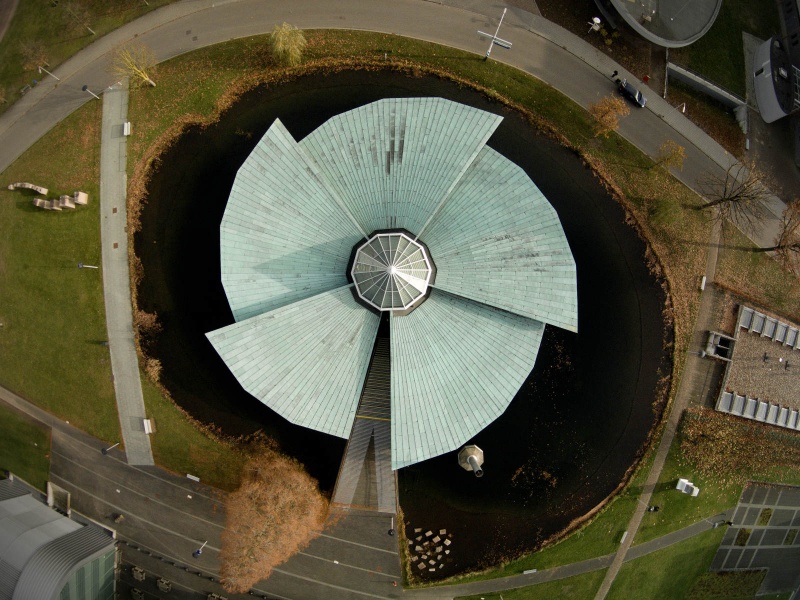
{"points": [[168, 515]]}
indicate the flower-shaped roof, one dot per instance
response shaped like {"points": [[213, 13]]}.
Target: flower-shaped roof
{"points": [[302, 343]]}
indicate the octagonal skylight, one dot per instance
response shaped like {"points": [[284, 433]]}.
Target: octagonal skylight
{"points": [[391, 271]]}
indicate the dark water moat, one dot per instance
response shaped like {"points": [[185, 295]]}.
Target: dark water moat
{"points": [[575, 427]]}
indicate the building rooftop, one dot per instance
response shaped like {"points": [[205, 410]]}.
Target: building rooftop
{"points": [[40, 549], [408, 182], [669, 23], [391, 271]]}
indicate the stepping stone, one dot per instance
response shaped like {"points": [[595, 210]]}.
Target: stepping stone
{"points": [[437, 539], [414, 558], [417, 529], [442, 531], [418, 538], [439, 549], [421, 566], [439, 557], [447, 542], [428, 533], [447, 551], [441, 566], [431, 562], [417, 548], [432, 570]]}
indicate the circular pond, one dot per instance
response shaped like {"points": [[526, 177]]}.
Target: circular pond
{"points": [[576, 426]]}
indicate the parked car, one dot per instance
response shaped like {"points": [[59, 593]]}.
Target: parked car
{"points": [[631, 93]]}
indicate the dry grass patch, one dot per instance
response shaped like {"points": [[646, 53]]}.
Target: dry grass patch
{"points": [[733, 451]]}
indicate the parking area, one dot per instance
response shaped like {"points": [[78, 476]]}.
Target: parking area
{"points": [[765, 535]]}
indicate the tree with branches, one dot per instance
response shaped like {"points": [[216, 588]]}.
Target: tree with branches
{"points": [[787, 242], [737, 195], [606, 113], [276, 512], [33, 55], [287, 44], [670, 154], [135, 61]]}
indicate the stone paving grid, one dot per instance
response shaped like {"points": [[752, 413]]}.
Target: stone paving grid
{"points": [[767, 546], [770, 381]]}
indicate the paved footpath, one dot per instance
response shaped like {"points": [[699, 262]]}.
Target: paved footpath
{"points": [[116, 281], [541, 48]]}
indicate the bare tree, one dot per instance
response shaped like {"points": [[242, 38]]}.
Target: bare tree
{"points": [[670, 154], [136, 61], [606, 113], [276, 512], [79, 13], [33, 55], [287, 43], [737, 196], [787, 242]]}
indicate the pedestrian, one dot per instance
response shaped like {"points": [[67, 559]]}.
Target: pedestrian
{"points": [[614, 74]]}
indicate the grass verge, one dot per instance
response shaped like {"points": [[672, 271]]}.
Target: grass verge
{"points": [[719, 453], [578, 587], [667, 573], [180, 446], [719, 54], [52, 312], [736, 585], [24, 447], [755, 276], [55, 31]]}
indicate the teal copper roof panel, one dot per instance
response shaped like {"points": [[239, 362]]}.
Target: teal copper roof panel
{"points": [[499, 241], [307, 360], [393, 161], [283, 236], [456, 366]]}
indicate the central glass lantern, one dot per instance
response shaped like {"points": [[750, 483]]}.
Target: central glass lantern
{"points": [[391, 271]]}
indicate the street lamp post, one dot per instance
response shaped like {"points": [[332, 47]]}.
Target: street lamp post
{"points": [[105, 450], [48, 72], [199, 551], [83, 266], [681, 106], [86, 89], [496, 40]]}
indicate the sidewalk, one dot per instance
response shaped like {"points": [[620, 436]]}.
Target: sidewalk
{"points": [[116, 281]]}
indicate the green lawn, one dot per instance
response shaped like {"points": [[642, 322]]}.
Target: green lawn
{"points": [[681, 510], [579, 587], [756, 276], [179, 446], [52, 312], [668, 573], [719, 54], [730, 585], [49, 25], [24, 447]]}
